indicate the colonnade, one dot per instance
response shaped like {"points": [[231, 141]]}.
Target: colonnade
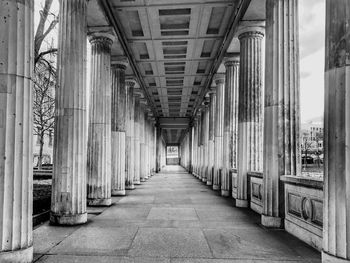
{"points": [[89, 144], [261, 121], [97, 149]]}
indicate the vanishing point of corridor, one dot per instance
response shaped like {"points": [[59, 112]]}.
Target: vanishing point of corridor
{"points": [[172, 217]]}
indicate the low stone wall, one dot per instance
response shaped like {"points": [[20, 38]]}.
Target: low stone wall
{"points": [[255, 180], [304, 209]]}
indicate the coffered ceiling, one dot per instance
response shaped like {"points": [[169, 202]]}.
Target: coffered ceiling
{"points": [[174, 48]]}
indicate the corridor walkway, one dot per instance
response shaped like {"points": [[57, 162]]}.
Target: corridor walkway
{"points": [[171, 218]]}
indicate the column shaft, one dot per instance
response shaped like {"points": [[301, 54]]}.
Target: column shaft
{"points": [[230, 123], [219, 130], [129, 160], [68, 200], [250, 111], [137, 140], [99, 139], [336, 223], [118, 127], [212, 107], [282, 124], [16, 183]]}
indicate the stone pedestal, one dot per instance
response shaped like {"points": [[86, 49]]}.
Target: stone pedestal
{"points": [[250, 117], [68, 200], [16, 176], [336, 212], [99, 139], [282, 155], [129, 162], [230, 123], [212, 108], [219, 80], [137, 155], [118, 126]]}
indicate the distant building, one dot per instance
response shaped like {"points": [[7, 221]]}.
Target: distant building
{"points": [[310, 131]]}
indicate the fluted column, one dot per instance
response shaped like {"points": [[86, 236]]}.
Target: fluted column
{"points": [[282, 154], [250, 117], [230, 122], [68, 200], [336, 220], [129, 160], [190, 150], [137, 156], [118, 126], [201, 142], [158, 149], [143, 150], [16, 183], [99, 139], [211, 135], [219, 80], [205, 140]]}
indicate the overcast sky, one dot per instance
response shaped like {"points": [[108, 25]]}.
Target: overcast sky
{"points": [[312, 39]]}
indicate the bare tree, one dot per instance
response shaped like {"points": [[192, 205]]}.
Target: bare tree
{"points": [[44, 77], [307, 145], [42, 31], [43, 103]]}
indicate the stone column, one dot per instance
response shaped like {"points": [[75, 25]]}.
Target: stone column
{"points": [[143, 151], [201, 144], [16, 127], [137, 155], [205, 140], [250, 118], [190, 154], [158, 149], [68, 200], [99, 139], [219, 80], [118, 125], [282, 154], [336, 223], [212, 108], [230, 123], [129, 143]]}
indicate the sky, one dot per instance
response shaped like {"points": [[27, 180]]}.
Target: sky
{"points": [[312, 41]]}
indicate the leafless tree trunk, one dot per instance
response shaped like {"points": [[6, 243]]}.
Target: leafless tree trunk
{"points": [[44, 78]]}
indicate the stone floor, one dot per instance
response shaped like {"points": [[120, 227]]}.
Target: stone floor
{"points": [[171, 218]]}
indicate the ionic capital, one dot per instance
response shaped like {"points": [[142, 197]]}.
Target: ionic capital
{"points": [[131, 82]]}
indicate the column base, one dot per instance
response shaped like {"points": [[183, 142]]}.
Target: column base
{"points": [[99, 201], [68, 220], [118, 192], [241, 203], [143, 180], [130, 187], [216, 187], [327, 258], [204, 180], [137, 183], [271, 221], [209, 183], [21, 256], [225, 193]]}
